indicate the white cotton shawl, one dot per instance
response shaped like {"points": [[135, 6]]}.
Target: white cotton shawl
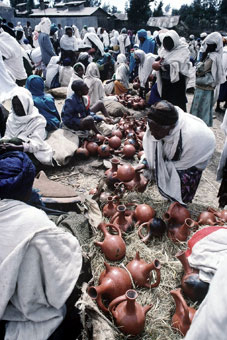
{"points": [[7, 83], [44, 25], [145, 65], [51, 70], [76, 32], [68, 43], [223, 157], [39, 267], [124, 41], [29, 128], [95, 39], [217, 68], [122, 70], [91, 79], [195, 154], [178, 59]]}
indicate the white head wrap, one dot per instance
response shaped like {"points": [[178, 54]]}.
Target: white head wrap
{"points": [[45, 25]]}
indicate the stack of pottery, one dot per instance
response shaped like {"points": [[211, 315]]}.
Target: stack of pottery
{"points": [[132, 102]]}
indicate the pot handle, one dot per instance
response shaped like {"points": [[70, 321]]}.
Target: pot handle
{"points": [[114, 227], [116, 302], [158, 279], [114, 217], [100, 304], [147, 226]]}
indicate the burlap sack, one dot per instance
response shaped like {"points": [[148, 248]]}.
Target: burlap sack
{"points": [[115, 109], [59, 92]]}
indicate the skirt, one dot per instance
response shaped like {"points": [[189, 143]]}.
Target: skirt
{"points": [[190, 179], [202, 105]]}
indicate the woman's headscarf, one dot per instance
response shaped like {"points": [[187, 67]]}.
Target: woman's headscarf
{"points": [[145, 66], [35, 85], [92, 71], [121, 58], [122, 70], [217, 68], [44, 25], [142, 33], [76, 66], [91, 37]]}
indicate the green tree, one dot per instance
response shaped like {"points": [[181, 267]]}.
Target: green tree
{"points": [[158, 12], [30, 5], [93, 3], [222, 15], [139, 12]]}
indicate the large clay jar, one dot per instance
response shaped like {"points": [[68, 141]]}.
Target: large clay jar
{"points": [[125, 172], [110, 208], [207, 218], [221, 215], [122, 220], [111, 173], [117, 133], [82, 151], [143, 213], [184, 315], [192, 286], [129, 315], [140, 271], [100, 138], [176, 214], [181, 233], [114, 142], [113, 282], [156, 227], [128, 151], [92, 148], [104, 150], [113, 246]]}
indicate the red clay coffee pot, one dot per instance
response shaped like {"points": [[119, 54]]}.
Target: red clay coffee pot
{"points": [[143, 213], [184, 315], [113, 282], [113, 246], [110, 208], [123, 219], [156, 227], [129, 315], [221, 215], [176, 215], [111, 173], [181, 233], [141, 271]]}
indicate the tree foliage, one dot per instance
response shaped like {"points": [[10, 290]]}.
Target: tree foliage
{"points": [[139, 12], [158, 12]]}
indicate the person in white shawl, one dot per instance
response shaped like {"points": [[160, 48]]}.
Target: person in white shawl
{"points": [[39, 263], [175, 70], [121, 84], [210, 74], [124, 41], [173, 154], [92, 80], [145, 62], [26, 126], [78, 74], [7, 82], [92, 40]]}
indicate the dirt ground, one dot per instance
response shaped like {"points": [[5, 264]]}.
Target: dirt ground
{"points": [[84, 175]]}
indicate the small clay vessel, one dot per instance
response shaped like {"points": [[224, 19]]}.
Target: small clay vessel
{"points": [[117, 133], [113, 246], [129, 315], [128, 151], [141, 271], [100, 138], [176, 214], [207, 218], [92, 148], [110, 178], [181, 233], [140, 182], [104, 150], [140, 154], [136, 86], [82, 151], [191, 284], [110, 208], [125, 173], [122, 220], [113, 281], [156, 227], [114, 142], [157, 64], [184, 315], [221, 215], [143, 213]]}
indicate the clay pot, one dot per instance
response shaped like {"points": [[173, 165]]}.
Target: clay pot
{"points": [[128, 151], [82, 151], [92, 148], [191, 284], [129, 315], [136, 86], [140, 154], [141, 271], [184, 315], [110, 208], [111, 173], [140, 182], [143, 213], [100, 138], [114, 142], [135, 106], [157, 65], [113, 246], [221, 215], [104, 150], [176, 215], [117, 133], [181, 233], [113, 281], [122, 220], [125, 173], [207, 218], [155, 227]]}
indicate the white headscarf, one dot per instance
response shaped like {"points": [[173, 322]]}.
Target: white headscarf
{"points": [[95, 39], [30, 128], [217, 69], [122, 70], [145, 66], [91, 79], [44, 25], [7, 83], [69, 43], [159, 153]]}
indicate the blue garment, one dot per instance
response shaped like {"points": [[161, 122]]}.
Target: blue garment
{"points": [[44, 102], [202, 105], [106, 57], [154, 96], [17, 174], [148, 46], [46, 47]]}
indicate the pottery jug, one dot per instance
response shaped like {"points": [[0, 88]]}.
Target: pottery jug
{"points": [[110, 178], [191, 284], [100, 138], [82, 151], [221, 215], [207, 218], [181, 233], [113, 246], [128, 151], [113, 282], [114, 142], [92, 148], [122, 220], [176, 214], [140, 182], [117, 133], [130, 316], [155, 227], [110, 208], [157, 64], [143, 213], [184, 315], [141, 271], [125, 173], [104, 150]]}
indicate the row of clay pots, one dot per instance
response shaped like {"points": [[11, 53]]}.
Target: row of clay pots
{"points": [[132, 102]]}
